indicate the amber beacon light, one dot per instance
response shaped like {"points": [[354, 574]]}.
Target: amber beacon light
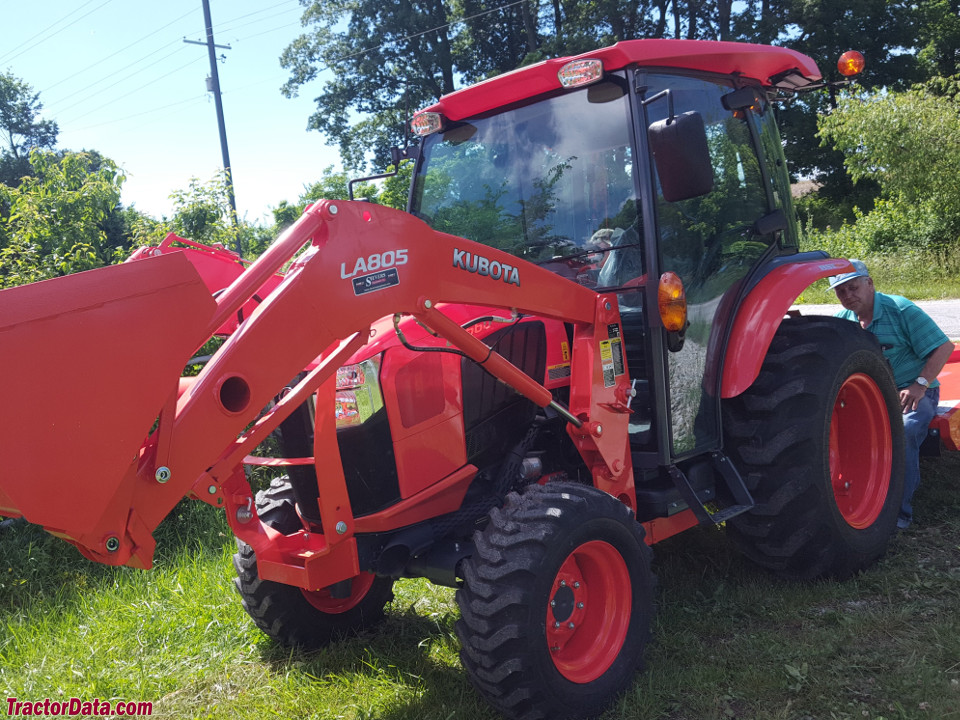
{"points": [[851, 63]]}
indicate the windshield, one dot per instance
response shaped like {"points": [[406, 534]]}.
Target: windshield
{"points": [[548, 180]]}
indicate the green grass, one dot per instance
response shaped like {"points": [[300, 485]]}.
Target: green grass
{"points": [[915, 275], [730, 640]]}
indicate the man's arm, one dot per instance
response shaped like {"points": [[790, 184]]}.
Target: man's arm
{"points": [[910, 396]]}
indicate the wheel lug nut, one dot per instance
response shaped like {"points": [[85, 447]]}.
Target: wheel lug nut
{"points": [[563, 583], [571, 625], [553, 603], [576, 585], [556, 624], [580, 606]]}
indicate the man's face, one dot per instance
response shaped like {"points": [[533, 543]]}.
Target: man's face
{"points": [[856, 294]]}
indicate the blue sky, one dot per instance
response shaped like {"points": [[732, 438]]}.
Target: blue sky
{"points": [[117, 77]]}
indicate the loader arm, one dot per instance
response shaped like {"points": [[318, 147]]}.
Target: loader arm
{"points": [[364, 262]]}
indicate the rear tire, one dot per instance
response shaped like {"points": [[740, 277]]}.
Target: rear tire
{"points": [[556, 603], [293, 616], [818, 439]]}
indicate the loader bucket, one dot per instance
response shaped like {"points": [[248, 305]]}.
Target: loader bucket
{"points": [[86, 364]]}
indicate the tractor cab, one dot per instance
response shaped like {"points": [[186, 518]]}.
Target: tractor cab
{"points": [[660, 185]]}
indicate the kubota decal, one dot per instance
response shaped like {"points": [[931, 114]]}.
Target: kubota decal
{"points": [[485, 266], [377, 261]]}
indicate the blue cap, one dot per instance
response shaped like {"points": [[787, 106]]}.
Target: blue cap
{"points": [[859, 270]]}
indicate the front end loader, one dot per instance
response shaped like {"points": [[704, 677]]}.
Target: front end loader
{"points": [[520, 415]]}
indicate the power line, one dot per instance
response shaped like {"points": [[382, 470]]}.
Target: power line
{"points": [[126, 95], [267, 32], [229, 25], [121, 80], [123, 49], [7, 58], [86, 88], [155, 112]]}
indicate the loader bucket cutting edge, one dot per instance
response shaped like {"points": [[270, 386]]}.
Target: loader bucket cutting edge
{"points": [[88, 362]]}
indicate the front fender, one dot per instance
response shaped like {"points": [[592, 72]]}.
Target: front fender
{"points": [[760, 315]]}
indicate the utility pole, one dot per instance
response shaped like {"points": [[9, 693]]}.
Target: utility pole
{"points": [[215, 89]]}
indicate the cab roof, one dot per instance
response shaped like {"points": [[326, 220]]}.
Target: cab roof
{"points": [[771, 66]]}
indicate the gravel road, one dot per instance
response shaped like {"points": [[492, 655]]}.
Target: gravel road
{"points": [[946, 313]]}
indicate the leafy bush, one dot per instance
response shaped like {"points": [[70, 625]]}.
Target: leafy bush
{"points": [[908, 143], [54, 220]]}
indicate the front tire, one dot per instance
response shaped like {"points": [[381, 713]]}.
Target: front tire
{"points": [[556, 603], [818, 439], [293, 616]]}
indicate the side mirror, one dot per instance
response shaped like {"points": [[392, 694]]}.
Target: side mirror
{"points": [[681, 155], [397, 155]]}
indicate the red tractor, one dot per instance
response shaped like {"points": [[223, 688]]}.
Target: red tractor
{"points": [[520, 415]]}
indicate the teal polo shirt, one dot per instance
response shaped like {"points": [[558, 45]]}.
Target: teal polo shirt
{"points": [[906, 333]]}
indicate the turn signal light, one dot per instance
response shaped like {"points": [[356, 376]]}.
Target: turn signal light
{"points": [[672, 302], [851, 63]]}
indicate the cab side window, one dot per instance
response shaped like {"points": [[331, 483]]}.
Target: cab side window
{"points": [[710, 242]]}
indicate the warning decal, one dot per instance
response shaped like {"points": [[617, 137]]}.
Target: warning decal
{"points": [[606, 363], [616, 348], [611, 360]]}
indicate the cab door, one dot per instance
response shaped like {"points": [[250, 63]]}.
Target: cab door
{"points": [[710, 241]]}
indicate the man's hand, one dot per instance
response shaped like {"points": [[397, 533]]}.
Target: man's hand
{"points": [[910, 397]]}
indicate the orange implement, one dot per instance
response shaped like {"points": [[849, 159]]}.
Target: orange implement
{"points": [[947, 420], [89, 360]]}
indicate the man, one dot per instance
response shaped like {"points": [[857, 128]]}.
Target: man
{"points": [[917, 351]]}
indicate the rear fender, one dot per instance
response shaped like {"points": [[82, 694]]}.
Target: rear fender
{"points": [[760, 315]]}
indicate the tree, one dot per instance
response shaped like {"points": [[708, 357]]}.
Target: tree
{"points": [[939, 37], [909, 144], [822, 29], [333, 185], [202, 213], [21, 128], [491, 39], [389, 59], [423, 48], [56, 215]]}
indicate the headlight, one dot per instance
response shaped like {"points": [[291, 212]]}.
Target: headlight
{"points": [[358, 393]]}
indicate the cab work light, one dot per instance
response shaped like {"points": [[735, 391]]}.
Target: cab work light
{"points": [[426, 123], [580, 72]]}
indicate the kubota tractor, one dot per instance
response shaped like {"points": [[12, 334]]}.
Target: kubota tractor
{"points": [[604, 363]]}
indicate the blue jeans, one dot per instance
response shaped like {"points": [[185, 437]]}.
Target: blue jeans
{"points": [[915, 425]]}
